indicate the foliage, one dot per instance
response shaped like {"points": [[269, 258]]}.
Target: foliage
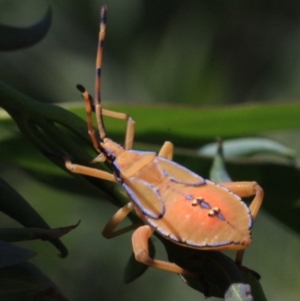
{"points": [[51, 129], [13, 38], [43, 123], [55, 131]]}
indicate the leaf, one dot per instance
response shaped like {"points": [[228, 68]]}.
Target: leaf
{"points": [[135, 269], [218, 172], [15, 206], [10, 254], [248, 147], [216, 272], [197, 126], [21, 234], [239, 291], [26, 282], [13, 38], [272, 177], [258, 293]]}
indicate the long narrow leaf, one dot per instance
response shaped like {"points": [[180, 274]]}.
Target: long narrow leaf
{"points": [[15, 206], [21, 234], [13, 38]]}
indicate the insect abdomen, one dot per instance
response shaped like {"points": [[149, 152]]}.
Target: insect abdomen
{"points": [[205, 217]]}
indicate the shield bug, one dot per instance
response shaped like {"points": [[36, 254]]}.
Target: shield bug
{"points": [[175, 202]]}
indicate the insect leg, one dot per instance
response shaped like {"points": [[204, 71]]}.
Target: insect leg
{"points": [[140, 246], [109, 229], [246, 189], [167, 150], [88, 171], [130, 128], [89, 109]]}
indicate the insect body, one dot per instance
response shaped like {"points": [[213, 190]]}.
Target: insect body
{"points": [[170, 199], [179, 204]]}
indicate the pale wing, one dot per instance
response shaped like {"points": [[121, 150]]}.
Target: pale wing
{"points": [[145, 197], [178, 173]]}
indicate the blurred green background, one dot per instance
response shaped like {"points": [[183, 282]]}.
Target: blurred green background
{"points": [[191, 53]]}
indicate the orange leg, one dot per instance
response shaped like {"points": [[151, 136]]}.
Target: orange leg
{"points": [[140, 246], [109, 230], [167, 150], [246, 189], [88, 171], [140, 240], [130, 128]]}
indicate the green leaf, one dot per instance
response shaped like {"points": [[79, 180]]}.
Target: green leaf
{"points": [[248, 147], [45, 125], [21, 234], [218, 172], [258, 293], [197, 126], [11, 255], [15, 206], [13, 38]]}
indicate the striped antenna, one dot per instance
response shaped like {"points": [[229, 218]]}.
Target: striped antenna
{"points": [[98, 107]]}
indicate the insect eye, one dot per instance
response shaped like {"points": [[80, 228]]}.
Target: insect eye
{"points": [[111, 157]]}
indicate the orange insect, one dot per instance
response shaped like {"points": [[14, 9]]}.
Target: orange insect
{"points": [[170, 199]]}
